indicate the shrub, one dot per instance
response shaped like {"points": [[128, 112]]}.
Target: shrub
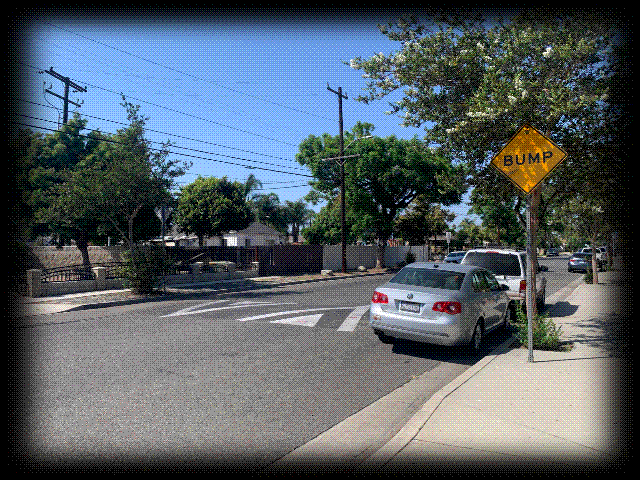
{"points": [[410, 258], [588, 277], [546, 336], [143, 269]]}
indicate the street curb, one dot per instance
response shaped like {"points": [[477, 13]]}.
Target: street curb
{"points": [[420, 419], [173, 295]]}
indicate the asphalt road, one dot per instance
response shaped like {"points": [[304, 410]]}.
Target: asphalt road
{"points": [[235, 380]]}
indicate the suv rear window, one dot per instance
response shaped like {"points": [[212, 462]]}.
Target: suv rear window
{"points": [[426, 277], [498, 263]]}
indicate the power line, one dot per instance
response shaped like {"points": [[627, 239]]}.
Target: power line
{"points": [[180, 112], [184, 148], [193, 116], [188, 74], [167, 133], [175, 153], [122, 69]]}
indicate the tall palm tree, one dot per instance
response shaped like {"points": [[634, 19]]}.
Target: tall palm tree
{"points": [[297, 214], [250, 185]]}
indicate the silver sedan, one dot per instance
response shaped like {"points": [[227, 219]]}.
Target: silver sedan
{"points": [[444, 304]]}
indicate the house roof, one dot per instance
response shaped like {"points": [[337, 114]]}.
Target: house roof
{"points": [[257, 228]]}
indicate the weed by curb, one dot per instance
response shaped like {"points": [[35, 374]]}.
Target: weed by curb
{"points": [[546, 336]]}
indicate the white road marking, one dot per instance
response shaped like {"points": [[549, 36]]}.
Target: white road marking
{"points": [[252, 303], [352, 320], [188, 310], [191, 310], [267, 315], [306, 320]]}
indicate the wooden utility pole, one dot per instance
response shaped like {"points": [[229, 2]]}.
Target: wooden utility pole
{"points": [[343, 234], [67, 82]]}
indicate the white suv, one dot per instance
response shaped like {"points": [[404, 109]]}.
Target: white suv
{"points": [[509, 267]]}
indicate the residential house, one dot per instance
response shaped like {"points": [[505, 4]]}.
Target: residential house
{"points": [[256, 234]]}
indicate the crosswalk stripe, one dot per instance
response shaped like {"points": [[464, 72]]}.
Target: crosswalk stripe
{"points": [[267, 315], [352, 320], [191, 310], [306, 320]]}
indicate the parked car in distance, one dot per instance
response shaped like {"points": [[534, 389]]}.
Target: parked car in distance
{"points": [[509, 267], [581, 262], [454, 257], [589, 250], [603, 254], [553, 252], [444, 304]]}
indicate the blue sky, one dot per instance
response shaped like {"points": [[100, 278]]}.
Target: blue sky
{"points": [[230, 91]]}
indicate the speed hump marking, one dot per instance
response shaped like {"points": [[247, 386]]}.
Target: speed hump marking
{"points": [[528, 158]]}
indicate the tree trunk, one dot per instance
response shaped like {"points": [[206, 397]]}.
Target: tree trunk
{"points": [[130, 237], [82, 242], [380, 254], [130, 220], [295, 229], [594, 261]]}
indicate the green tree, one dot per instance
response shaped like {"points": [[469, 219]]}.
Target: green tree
{"points": [[472, 83], [383, 180], [210, 206], [468, 233], [500, 220], [267, 210], [52, 160], [251, 185], [119, 178], [326, 227], [421, 221], [296, 214]]}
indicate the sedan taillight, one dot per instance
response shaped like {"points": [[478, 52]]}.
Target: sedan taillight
{"points": [[379, 298], [452, 308]]}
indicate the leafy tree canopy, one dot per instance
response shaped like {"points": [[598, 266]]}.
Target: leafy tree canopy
{"points": [[472, 82], [388, 174], [210, 206]]}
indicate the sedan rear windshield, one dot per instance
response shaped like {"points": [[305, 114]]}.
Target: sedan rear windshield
{"points": [[582, 255], [427, 277], [498, 263]]}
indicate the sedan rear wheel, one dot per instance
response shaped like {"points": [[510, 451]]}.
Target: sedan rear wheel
{"points": [[383, 338], [476, 339]]}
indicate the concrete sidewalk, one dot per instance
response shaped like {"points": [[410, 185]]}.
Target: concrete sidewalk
{"points": [[563, 410]]}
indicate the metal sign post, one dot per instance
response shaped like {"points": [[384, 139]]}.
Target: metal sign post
{"points": [[529, 297]]}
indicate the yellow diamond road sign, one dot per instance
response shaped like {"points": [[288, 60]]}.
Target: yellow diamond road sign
{"points": [[528, 158]]}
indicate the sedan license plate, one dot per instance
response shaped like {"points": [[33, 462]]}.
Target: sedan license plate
{"points": [[409, 307]]}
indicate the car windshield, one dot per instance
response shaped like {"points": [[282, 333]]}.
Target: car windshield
{"points": [[498, 263], [427, 277]]}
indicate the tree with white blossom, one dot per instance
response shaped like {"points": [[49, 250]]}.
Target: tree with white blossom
{"points": [[473, 82]]}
